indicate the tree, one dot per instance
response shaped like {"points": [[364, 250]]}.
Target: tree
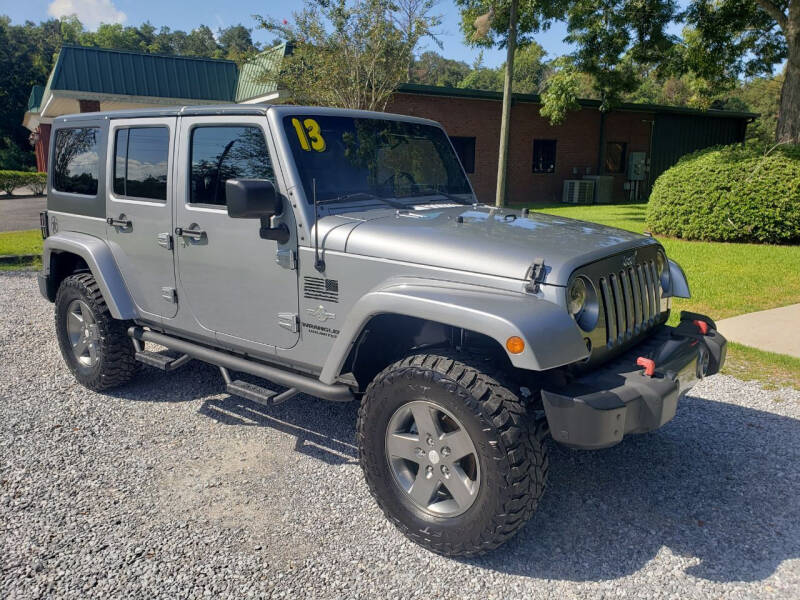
{"points": [[485, 22], [414, 19], [434, 69], [27, 53], [761, 95], [200, 42], [346, 53], [530, 71], [236, 43], [749, 37]]}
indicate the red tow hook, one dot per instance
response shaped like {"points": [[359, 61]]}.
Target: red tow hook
{"points": [[702, 326], [649, 365]]}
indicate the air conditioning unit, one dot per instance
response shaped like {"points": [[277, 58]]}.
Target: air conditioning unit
{"points": [[603, 188], [578, 191]]}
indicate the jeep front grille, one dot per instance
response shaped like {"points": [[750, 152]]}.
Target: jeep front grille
{"points": [[631, 300]]}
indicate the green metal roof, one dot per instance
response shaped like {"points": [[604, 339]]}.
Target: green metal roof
{"points": [[35, 99], [123, 73], [254, 77], [434, 90]]}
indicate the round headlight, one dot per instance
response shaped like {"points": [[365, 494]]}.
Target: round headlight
{"points": [[582, 303], [662, 266], [576, 297]]}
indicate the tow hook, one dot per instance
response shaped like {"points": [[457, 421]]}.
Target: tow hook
{"points": [[649, 365]]}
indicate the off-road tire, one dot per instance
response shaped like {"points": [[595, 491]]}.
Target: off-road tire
{"points": [[116, 364], [509, 442]]}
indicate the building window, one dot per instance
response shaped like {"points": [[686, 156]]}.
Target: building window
{"points": [[222, 153], [465, 149], [141, 155], [77, 161], [615, 157], [544, 156]]}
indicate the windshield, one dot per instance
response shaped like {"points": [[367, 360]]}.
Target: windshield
{"points": [[346, 156]]}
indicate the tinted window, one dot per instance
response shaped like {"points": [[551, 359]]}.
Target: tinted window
{"points": [[140, 162], [544, 156], [222, 153], [383, 157], [77, 162], [615, 157], [465, 148]]}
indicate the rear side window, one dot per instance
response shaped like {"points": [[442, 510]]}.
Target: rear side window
{"points": [[222, 153], [141, 155], [77, 162]]}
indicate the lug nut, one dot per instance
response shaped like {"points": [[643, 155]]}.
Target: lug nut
{"points": [[446, 451], [430, 441], [419, 452], [446, 471], [428, 472]]}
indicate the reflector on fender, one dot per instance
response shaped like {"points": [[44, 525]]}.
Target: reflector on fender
{"points": [[515, 344], [701, 325]]}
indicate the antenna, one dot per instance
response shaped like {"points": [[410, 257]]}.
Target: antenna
{"points": [[319, 264]]}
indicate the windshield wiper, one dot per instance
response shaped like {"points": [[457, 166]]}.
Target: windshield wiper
{"points": [[363, 196]]}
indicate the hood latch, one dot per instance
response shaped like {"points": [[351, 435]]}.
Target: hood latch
{"points": [[535, 275]]}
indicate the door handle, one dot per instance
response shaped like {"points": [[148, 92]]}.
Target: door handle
{"points": [[195, 234], [122, 222]]}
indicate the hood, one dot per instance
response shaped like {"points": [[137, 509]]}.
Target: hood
{"points": [[479, 239]]}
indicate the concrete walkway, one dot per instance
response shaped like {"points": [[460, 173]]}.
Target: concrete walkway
{"points": [[775, 330], [20, 213]]}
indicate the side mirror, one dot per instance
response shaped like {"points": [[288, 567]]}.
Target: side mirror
{"points": [[252, 199], [257, 199]]}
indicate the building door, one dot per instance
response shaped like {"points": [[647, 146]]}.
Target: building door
{"points": [[139, 209], [228, 276]]}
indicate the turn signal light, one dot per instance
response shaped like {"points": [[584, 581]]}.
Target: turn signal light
{"points": [[515, 344]]}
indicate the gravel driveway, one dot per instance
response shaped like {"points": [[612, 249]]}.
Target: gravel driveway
{"points": [[170, 488]]}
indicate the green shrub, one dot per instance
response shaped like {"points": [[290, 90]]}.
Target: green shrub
{"points": [[11, 180], [731, 194]]}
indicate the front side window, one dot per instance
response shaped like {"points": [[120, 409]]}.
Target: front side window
{"points": [[544, 156], [141, 156], [77, 162], [340, 156], [222, 153]]}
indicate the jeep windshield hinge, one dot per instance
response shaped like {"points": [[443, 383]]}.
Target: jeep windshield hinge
{"points": [[535, 275], [286, 258], [289, 321]]}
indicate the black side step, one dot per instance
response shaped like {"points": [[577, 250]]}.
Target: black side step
{"points": [[306, 384], [161, 361], [250, 391]]}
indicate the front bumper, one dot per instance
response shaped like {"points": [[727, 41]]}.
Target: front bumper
{"points": [[597, 409]]}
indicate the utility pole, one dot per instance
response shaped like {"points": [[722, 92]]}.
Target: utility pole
{"points": [[502, 162]]}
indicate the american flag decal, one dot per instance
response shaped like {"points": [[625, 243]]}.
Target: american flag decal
{"points": [[317, 288]]}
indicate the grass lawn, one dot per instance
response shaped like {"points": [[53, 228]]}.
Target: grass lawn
{"points": [[21, 242], [725, 280]]}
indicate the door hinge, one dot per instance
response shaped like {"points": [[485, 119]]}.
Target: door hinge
{"points": [[289, 321], [165, 240], [286, 258], [169, 294]]}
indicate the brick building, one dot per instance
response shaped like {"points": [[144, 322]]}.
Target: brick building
{"points": [[541, 156], [591, 157]]}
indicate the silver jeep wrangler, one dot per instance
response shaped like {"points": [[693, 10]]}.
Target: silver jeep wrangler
{"points": [[343, 254]]}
